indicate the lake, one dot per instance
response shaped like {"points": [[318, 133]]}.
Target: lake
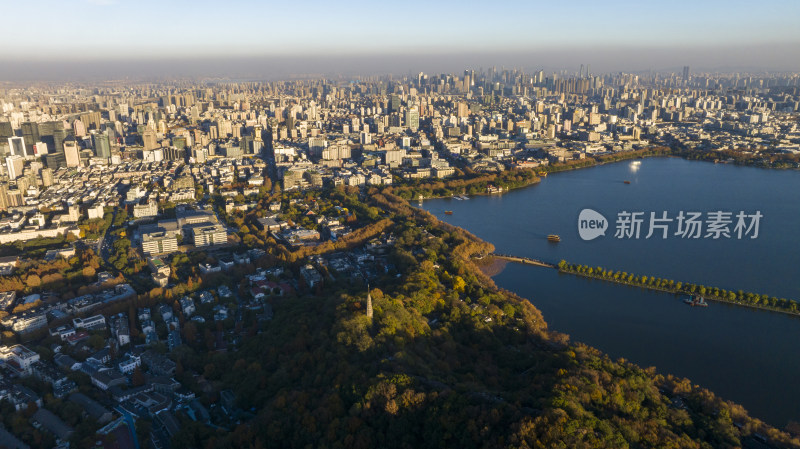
{"points": [[742, 354]]}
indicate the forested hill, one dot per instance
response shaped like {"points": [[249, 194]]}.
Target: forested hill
{"points": [[448, 360]]}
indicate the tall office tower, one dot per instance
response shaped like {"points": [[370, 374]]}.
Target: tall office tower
{"points": [[6, 130], [394, 103], [102, 148], [149, 140], [686, 73], [316, 145], [16, 146], [580, 74], [463, 110], [59, 135], [30, 132], [412, 118], [14, 165], [71, 153]]}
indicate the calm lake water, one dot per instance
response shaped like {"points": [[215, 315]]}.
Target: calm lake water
{"points": [[744, 355]]}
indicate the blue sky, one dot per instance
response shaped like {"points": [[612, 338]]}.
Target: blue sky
{"points": [[99, 29]]}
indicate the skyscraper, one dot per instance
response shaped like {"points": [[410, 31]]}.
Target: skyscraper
{"points": [[149, 140], [686, 73], [462, 110], [59, 135], [6, 130], [14, 165], [102, 148], [394, 103], [17, 146], [71, 152], [412, 119]]}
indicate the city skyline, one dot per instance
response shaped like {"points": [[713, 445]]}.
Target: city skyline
{"points": [[758, 60]]}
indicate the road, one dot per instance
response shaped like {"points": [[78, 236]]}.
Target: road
{"points": [[103, 246]]}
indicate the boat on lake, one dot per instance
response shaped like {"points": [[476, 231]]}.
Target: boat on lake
{"points": [[448, 212], [695, 301], [553, 238], [626, 182]]}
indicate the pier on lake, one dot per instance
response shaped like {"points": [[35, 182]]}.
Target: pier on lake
{"points": [[524, 260]]}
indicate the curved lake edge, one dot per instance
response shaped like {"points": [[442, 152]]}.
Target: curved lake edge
{"points": [[566, 168], [736, 347]]}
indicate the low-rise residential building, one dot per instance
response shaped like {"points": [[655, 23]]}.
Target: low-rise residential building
{"points": [[91, 323], [18, 357]]}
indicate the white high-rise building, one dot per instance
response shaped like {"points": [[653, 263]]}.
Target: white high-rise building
{"points": [[14, 164], [17, 146]]}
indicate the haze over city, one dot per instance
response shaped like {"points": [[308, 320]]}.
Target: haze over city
{"points": [[95, 39]]}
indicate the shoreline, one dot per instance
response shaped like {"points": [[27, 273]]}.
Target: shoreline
{"points": [[668, 153], [596, 163], [560, 169]]}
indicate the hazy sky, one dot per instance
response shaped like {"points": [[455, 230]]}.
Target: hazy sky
{"points": [[53, 35]]}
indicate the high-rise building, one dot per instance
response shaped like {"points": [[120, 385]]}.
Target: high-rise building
{"points": [[15, 198], [59, 135], [149, 140], [4, 197], [463, 110], [316, 145], [686, 73], [16, 146], [14, 165], [412, 119], [394, 103], [71, 153], [47, 177], [6, 130], [79, 128], [102, 148]]}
